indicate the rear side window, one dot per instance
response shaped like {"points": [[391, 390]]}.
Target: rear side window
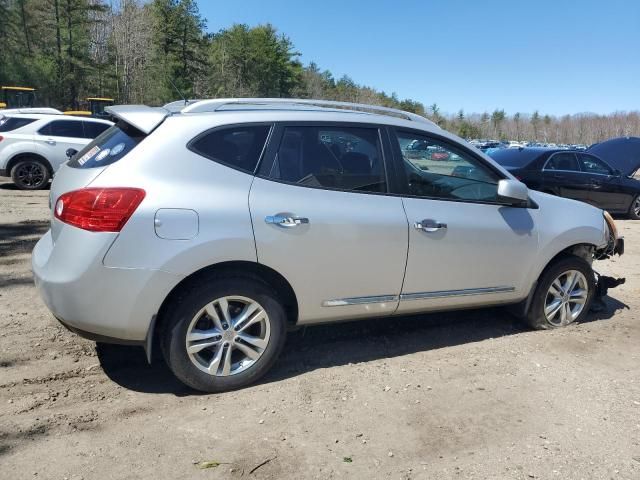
{"points": [[8, 124], [108, 147], [93, 129], [340, 158], [238, 147], [63, 128]]}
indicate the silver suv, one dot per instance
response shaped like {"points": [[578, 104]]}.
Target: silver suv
{"points": [[211, 228]]}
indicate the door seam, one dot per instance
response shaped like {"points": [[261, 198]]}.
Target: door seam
{"points": [[406, 260], [253, 230]]}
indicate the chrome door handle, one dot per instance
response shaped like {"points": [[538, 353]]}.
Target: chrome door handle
{"points": [[51, 142], [285, 221], [429, 225]]}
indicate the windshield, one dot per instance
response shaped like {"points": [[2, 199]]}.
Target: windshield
{"points": [[109, 147], [19, 98], [8, 124]]}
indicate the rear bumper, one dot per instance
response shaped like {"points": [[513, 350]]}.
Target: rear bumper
{"points": [[116, 305]]}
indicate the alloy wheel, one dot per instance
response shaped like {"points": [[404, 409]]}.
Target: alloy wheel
{"points": [[636, 206], [566, 298], [30, 174], [228, 335]]}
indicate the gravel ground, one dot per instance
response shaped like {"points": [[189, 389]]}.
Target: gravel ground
{"points": [[458, 395]]}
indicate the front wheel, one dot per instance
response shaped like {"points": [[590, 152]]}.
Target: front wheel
{"points": [[634, 209], [30, 174], [223, 334], [563, 295]]}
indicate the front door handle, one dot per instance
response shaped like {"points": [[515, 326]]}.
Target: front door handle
{"points": [[285, 220], [429, 225], [51, 141]]}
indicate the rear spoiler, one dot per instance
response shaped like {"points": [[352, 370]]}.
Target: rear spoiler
{"points": [[144, 118]]}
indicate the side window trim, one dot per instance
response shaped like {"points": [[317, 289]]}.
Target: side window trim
{"points": [[273, 145], [403, 181], [545, 169], [231, 126]]}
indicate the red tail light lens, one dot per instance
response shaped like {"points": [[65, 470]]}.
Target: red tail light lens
{"points": [[98, 209], [1, 138]]}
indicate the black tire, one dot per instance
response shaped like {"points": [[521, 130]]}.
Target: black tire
{"points": [[184, 308], [634, 209], [30, 174], [536, 317]]}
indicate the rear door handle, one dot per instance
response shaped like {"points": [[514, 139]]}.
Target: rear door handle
{"points": [[429, 225], [50, 141], [286, 220]]}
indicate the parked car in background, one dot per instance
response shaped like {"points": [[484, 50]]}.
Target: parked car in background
{"points": [[211, 228], [574, 174], [33, 146]]}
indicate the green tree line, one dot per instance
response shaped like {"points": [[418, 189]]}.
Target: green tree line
{"points": [[133, 50], [136, 51]]}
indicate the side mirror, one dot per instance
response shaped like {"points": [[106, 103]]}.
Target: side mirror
{"points": [[71, 152], [514, 192]]}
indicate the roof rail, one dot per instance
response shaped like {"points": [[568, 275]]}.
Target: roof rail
{"points": [[214, 105]]}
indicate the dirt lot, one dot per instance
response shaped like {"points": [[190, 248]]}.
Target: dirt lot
{"points": [[466, 395]]}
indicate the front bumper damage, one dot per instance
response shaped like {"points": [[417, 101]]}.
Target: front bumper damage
{"points": [[615, 246]]}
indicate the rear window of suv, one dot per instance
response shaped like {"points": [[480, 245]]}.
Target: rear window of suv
{"points": [[8, 124], [109, 147]]}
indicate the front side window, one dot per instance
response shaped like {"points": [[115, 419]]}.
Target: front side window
{"points": [[238, 147], [436, 169], [591, 164], [63, 128], [341, 158], [8, 124], [565, 162]]}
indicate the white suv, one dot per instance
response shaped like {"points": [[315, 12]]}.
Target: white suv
{"points": [[33, 146]]}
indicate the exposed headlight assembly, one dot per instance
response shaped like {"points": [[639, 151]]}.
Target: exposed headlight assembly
{"points": [[615, 243]]}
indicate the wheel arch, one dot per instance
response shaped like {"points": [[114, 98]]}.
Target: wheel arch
{"points": [[582, 250], [22, 155], [247, 269]]}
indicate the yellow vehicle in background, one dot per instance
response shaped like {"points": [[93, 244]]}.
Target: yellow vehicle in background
{"points": [[94, 107], [17, 97]]}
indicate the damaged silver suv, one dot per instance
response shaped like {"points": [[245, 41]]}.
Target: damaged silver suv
{"points": [[209, 228]]}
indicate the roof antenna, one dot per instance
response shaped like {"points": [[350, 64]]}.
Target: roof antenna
{"points": [[179, 92]]}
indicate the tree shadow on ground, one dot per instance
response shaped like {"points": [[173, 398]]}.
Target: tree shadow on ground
{"points": [[12, 186], [18, 239], [337, 344]]}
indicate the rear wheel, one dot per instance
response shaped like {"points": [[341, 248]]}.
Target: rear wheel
{"points": [[30, 174], [224, 333], [634, 209], [563, 294]]}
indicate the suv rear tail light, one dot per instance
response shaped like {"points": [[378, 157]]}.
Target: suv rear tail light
{"points": [[1, 138], [98, 209]]}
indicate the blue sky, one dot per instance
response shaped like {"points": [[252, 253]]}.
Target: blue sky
{"points": [[557, 56]]}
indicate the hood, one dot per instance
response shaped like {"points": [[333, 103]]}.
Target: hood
{"points": [[622, 153]]}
